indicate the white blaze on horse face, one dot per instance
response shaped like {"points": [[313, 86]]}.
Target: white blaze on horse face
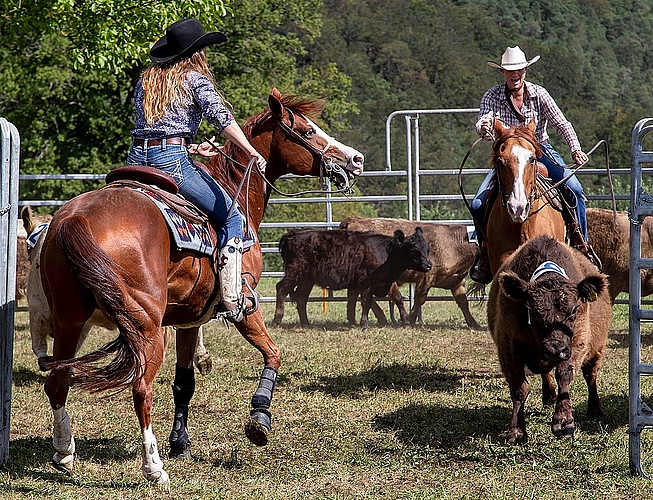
{"points": [[518, 205], [354, 159]]}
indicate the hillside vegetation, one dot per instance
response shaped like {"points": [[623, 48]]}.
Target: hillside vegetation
{"points": [[367, 58]]}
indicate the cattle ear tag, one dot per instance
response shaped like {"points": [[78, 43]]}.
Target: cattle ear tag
{"points": [[592, 296]]}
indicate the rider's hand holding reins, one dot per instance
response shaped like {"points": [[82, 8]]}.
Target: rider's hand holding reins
{"points": [[487, 129], [205, 149]]}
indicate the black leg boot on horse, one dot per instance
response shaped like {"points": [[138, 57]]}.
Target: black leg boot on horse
{"points": [[234, 305], [575, 234], [481, 272]]}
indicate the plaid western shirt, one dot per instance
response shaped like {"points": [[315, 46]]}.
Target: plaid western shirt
{"points": [[538, 104]]}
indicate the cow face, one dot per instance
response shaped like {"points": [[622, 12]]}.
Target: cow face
{"points": [[552, 304], [414, 250]]}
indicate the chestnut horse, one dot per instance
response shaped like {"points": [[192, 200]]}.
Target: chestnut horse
{"points": [[523, 211], [97, 255]]}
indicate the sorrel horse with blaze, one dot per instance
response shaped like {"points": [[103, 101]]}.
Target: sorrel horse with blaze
{"points": [[522, 210], [97, 255]]}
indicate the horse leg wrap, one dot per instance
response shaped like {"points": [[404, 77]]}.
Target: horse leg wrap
{"points": [[183, 389], [63, 441], [262, 398]]}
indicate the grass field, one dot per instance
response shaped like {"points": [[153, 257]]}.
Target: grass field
{"points": [[393, 413]]}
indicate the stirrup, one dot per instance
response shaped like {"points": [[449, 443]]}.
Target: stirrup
{"points": [[480, 271], [238, 313], [254, 298]]}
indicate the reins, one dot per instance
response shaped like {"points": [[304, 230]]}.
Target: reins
{"points": [[549, 189]]}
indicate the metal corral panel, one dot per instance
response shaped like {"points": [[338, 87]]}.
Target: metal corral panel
{"points": [[641, 206], [10, 150]]}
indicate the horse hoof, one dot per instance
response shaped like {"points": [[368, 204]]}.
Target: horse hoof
{"points": [[563, 430], [204, 364], [63, 463], [43, 362], [256, 432], [181, 454], [160, 478]]}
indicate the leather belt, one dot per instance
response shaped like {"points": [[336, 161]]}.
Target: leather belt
{"points": [[158, 142]]}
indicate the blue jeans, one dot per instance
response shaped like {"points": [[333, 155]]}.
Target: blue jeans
{"points": [[195, 185], [556, 166]]}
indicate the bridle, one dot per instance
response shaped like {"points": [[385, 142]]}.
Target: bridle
{"points": [[535, 193], [328, 168]]}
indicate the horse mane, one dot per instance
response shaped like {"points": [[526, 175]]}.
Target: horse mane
{"points": [[522, 132], [310, 108]]}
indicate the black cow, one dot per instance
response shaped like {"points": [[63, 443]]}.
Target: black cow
{"points": [[366, 262]]}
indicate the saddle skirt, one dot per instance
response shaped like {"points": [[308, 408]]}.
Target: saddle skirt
{"points": [[190, 228]]}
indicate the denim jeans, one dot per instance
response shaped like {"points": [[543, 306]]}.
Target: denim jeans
{"points": [[556, 166], [195, 185]]}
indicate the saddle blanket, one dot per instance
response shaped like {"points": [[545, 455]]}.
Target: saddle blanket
{"points": [[189, 235], [33, 238]]}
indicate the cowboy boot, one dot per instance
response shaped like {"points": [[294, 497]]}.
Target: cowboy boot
{"points": [[480, 270], [229, 265]]}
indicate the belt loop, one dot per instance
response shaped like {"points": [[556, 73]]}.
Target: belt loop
{"points": [[164, 143]]}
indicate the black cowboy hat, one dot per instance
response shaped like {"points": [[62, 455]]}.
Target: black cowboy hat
{"points": [[183, 38]]}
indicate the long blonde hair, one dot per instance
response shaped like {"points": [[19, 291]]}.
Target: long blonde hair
{"points": [[165, 85]]}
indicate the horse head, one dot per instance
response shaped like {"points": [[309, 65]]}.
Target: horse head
{"points": [[514, 157], [315, 153]]}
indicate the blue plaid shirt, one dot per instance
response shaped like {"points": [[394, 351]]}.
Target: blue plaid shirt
{"points": [[184, 121], [538, 104]]}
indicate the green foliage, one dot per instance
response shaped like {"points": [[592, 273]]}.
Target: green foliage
{"points": [[68, 68], [107, 35]]}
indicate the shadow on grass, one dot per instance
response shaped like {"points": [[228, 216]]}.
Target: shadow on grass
{"points": [[451, 428], [397, 377], [443, 427], [24, 377], [29, 458]]}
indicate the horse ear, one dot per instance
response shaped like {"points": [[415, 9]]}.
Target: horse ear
{"points": [[513, 286], [532, 125], [498, 126], [274, 102]]}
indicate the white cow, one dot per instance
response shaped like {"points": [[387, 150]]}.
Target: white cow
{"points": [[41, 325]]}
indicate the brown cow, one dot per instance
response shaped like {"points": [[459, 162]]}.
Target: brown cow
{"points": [[611, 242], [549, 308], [338, 259], [450, 251]]}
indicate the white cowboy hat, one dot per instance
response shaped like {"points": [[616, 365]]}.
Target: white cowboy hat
{"points": [[513, 59]]}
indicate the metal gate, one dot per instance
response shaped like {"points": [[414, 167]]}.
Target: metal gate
{"points": [[641, 206], [10, 150]]}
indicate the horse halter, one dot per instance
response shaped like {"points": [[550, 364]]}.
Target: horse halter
{"points": [[337, 174]]}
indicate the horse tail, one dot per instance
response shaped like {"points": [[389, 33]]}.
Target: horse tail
{"points": [[97, 272]]}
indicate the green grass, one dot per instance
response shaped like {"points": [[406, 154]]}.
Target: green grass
{"points": [[400, 413]]}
